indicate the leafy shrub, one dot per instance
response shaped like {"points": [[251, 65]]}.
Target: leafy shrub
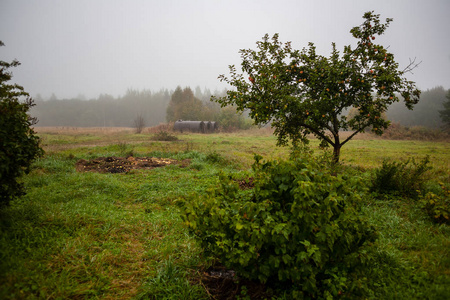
{"points": [[437, 205], [125, 149], [216, 158], [164, 136], [402, 178], [19, 145], [297, 225]]}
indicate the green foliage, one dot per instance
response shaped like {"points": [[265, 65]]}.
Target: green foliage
{"points": [[437, 205], [111, 236], [403, 178], [216, 158], [230, 119], [299, 225], [90, 236], [125, 149], [184, 105], [164, 136], [19, 145], [171, 283], [301, 92]]}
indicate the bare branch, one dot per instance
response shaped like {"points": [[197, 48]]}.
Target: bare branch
{"points": [[318, 133], [411, 66], [351, 136]]}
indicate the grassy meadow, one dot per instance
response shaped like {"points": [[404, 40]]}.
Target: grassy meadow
{"points": [[85, 235]]}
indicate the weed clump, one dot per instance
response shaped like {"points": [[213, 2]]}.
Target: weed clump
{"points": [[164, 136], [401, 178]]}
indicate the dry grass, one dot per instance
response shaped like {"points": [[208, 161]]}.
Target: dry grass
{"points": [[84, 130]]}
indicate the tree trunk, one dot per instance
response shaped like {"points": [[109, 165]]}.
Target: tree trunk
{"points": [[336, 153]]}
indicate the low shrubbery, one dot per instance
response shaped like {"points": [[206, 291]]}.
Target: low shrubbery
{"points": [[400, 132], [437, 204], [164, 135], [408, 179], [299, 226], [401, 178]]}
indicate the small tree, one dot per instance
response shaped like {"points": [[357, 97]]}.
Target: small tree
{"points": [[230, 120], [184, 105], [302, 92], [19, 145], [445, 113], [139, 123]]}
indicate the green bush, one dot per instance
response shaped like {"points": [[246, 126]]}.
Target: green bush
{"points": [[19, 145], [164, 136], [437, 205], [298, 226], [401, 178]]}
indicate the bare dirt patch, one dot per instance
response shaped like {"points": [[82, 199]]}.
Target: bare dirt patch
{"points": [[246, 184], [113, 164], [223, 284]]}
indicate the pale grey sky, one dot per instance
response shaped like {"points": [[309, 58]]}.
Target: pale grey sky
{"points": [[91, 47]]}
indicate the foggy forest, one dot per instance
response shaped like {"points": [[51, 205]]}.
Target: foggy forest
{"points": [[121, 111]]}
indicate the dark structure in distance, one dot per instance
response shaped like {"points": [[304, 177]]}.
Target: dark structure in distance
{"points": [[196, 126]]}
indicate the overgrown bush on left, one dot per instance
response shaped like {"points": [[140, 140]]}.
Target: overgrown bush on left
{"points": [[19, 145]]}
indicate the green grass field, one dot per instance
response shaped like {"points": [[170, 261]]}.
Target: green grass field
{"points": [[120, 236]]}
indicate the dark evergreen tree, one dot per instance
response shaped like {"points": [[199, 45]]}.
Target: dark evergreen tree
{"points": [[445, 113], [185, 106], [19, 145]]}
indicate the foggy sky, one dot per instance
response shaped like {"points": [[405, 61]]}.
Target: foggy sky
{"points": [[91, 47]]}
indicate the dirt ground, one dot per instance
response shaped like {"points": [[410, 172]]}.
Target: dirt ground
{"points": [[223, 284], [112, 164]]}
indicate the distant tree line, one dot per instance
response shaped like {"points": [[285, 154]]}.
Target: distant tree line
{"points": [[425, 113], [152, 108], [105, 111], [170, 105]]}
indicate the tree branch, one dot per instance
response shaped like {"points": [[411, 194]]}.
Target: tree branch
{"points": [[326, 138], [411, 66], [352, 135]]}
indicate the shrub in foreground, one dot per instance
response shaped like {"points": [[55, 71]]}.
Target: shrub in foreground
{"points": [[298, 226]]}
